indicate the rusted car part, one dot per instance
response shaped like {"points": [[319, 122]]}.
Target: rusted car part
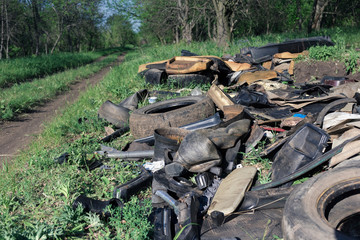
{"points": [[126, 190], [301, 148], [306, 168], [251, 77], [183, 65], [327, 206], [209, 122], [219, 97], [229, 195], [292, 46], [170, 113], [97, 206], [335, 81], [167, 141]]}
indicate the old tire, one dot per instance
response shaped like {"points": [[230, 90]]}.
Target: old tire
{"points": [[170, 113], [325, 207]]}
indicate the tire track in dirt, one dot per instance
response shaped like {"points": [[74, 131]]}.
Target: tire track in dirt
{"points": [[16, 135]]}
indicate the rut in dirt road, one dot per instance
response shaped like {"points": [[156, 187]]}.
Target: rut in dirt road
{"points": [[16, 135]]}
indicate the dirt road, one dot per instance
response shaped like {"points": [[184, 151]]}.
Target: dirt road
{"points": [[16, 135]]}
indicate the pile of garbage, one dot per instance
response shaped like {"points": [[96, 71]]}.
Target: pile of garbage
{"points": [[201, 189]]}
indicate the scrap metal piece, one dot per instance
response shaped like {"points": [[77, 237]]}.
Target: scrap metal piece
{"points": [[219, 97]]}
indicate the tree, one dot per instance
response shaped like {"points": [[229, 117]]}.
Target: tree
{"points": [[119, 31], [319, 7], [225, 20]]}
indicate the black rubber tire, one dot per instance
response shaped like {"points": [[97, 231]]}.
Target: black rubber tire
{"points": [[325, 207], [170, 113]]}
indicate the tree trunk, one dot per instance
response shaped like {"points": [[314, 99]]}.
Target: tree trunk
{"points": [[2, 28], [56, 43], [36, 17], [7, 31], [319, 7], [223, 34], [298, 13], [185, 23]]}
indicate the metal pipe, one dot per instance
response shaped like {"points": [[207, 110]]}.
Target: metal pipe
{"points": [[124, 155], [170, 200]]}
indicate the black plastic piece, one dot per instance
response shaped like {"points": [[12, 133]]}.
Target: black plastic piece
{"points": [[62, 158], [155, 76], [187, 217], [116, 134], [175, 170], [247, 97], [163, 221], [292, 46], [125, 191], [217, 218], [167, 139], [305, 145], [216, 170], [265, 199], [97, 206], [203, 180], [180, 186], [188, 53]]}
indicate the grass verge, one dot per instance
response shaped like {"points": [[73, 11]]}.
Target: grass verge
{"points": [[36, 193], [22, 69], [23, 97]]}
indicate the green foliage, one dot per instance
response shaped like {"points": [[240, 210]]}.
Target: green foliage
{"points": [[23, 97], [352, 62], [263, 165], [119, 32], [22, 69], [322, 53]]}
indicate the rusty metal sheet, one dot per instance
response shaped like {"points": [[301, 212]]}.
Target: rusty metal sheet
{"points": [[183, 65], [220, 98], [250, 77], [288, 55], [234, 66]]}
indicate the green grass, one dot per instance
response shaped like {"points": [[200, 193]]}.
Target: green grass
{"points": [[22, 69], [23, 97], [36, 193]]}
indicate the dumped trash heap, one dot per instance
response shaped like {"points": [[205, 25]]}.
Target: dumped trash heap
{"points": [[195, 145]]}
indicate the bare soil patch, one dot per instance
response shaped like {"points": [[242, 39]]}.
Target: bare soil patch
{"points": [[16, 135], [316, 70]]}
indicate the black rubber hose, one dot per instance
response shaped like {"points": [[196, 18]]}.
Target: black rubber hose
{"points": [[326, 109]]}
